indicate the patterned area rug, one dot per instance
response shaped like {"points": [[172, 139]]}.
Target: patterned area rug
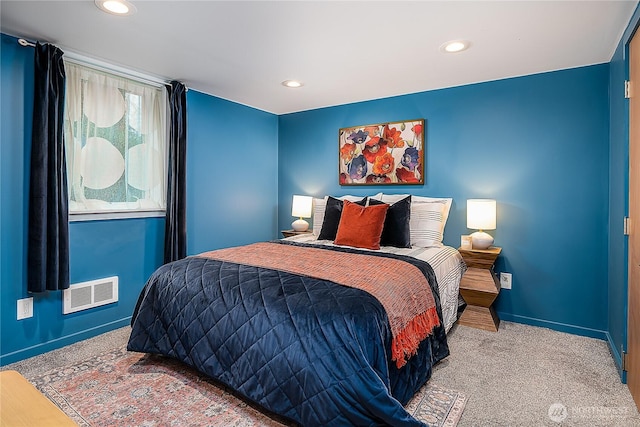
{"points": [[122, 388]]}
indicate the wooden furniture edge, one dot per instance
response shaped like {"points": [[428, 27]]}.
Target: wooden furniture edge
{"points": [[24, 406]]}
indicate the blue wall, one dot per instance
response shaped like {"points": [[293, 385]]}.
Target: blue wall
{"points": [[538, 144], [232, 174], [232, 193], [129, 249]]}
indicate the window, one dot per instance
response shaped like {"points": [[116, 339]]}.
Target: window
{"points": [[115, 133]]}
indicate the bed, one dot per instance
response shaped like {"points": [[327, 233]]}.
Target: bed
{"points": [[318, 332]]}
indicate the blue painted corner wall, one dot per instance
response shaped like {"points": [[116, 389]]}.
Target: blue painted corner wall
{"points": [[232, 174], [232, 194], [538, 144]]}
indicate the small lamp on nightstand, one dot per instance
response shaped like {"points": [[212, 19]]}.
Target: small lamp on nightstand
{"points": [[302, 209], [481, 215]]}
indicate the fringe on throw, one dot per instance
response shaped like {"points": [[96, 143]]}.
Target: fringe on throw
{"points": [[405, 344]]}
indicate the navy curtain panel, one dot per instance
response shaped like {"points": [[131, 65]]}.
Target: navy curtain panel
{"points": [[48, 245], [175, 236]]}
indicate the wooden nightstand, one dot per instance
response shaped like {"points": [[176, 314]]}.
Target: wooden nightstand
{"points": [[480, 287], [289, 233]]}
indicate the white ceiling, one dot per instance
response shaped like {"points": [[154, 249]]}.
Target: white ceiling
{"points": [[343, 51]]}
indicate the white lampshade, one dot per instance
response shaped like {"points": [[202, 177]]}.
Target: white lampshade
{"points": [[302, 206], [481, 215]]}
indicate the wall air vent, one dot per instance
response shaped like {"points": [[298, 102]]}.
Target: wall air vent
{"points": [[94, 293]]}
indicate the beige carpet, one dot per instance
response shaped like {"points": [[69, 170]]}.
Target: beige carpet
{"points": [[521, 375], [510, 378]]}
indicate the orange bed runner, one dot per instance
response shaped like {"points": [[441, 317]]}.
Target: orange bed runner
{"points": [[399, 286]]}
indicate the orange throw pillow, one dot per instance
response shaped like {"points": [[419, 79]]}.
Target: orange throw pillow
{"points": [[360, 226]]}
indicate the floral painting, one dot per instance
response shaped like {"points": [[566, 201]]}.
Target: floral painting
{"points": [[386, 153]]}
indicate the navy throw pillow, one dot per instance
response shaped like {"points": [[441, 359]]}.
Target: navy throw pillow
{"points": [[332, 214], [396, 231]]}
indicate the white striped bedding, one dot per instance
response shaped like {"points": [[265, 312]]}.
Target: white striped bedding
{"points": [[446, 262]]}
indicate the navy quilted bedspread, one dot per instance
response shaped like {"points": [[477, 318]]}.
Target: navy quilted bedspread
{"points": [[310, 350]]}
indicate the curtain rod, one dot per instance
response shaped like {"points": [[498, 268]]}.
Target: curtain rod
{"points": [[84, 60], [25, 43]]}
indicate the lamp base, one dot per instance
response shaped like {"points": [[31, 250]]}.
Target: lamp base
{"points": [[300, 225], [481, 240]]}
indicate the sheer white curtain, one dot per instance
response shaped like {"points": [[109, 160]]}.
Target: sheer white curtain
{"points": [[115, 145]]}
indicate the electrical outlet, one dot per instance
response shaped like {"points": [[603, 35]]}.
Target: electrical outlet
{"points": [[505, 280], [25, 308]]}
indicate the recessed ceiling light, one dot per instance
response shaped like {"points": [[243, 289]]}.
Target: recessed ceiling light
{"points": [[116, 7], [292, 83], [455, 46]]}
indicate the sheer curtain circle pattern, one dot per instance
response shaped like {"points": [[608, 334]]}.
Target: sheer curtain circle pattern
{"points": [[115, 140]]}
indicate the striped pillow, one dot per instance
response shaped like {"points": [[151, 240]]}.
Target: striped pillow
{"points": [[319, 205], [426, 224], [446, 201]]}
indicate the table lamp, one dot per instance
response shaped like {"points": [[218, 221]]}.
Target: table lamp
{"points": [[481, 215], [302, 209]]}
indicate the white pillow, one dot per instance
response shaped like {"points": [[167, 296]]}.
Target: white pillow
{"points": [[378, 196], [446, 202], [426, 224], [319, 206]]}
